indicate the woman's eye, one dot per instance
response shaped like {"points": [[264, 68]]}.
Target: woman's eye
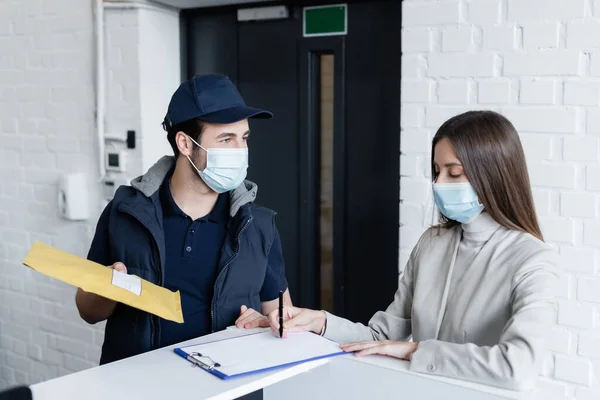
{"points": [[455, 176]]}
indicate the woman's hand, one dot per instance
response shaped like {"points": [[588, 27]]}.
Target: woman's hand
{"points": [[297, 320], [402, 350]]}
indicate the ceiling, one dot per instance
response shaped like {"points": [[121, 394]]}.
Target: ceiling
{"points": [[204, 3]]}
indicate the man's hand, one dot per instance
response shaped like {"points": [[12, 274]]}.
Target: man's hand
{"points": [[94, 308], [250, 318], [119, 266]]}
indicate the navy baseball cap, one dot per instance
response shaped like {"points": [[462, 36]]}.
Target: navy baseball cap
{"points": [[211, 98]]}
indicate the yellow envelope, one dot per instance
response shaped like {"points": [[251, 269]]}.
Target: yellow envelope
{"points": [[95, 278]]}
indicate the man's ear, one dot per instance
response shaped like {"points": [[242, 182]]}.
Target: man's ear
{"points": [[184, 144]]}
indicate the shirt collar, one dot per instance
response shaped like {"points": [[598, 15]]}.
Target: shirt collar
{"points": [[219, 213], [170, 208]]}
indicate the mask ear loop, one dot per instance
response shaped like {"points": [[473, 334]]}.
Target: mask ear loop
{"points": [[193, 165], [196, 143], [478, 201], [188, 157]]}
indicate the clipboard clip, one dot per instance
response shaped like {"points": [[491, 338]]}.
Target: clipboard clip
{"points": [[195, 359]]}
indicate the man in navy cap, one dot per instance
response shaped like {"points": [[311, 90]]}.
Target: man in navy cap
{"points": [[191, 224]]}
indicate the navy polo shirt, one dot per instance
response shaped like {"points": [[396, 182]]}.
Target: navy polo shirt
{"points": [[193, 249]]}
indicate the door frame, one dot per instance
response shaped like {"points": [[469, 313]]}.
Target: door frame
{"points": [[309, 52]]}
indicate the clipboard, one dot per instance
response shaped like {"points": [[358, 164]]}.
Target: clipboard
{"points": [[256, 353]]}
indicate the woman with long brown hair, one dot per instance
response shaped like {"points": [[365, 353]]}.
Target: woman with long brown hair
{"points": [[477, 294]]}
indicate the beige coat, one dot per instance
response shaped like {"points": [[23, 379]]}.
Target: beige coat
{"points": [[491, 330]]}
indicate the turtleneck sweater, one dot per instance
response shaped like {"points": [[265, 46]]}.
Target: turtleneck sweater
{"points": [[475, 235]]}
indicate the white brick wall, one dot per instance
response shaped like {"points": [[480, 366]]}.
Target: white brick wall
{"points": [[537, 91], [571, 369], [455, 91], [500, 37], [538, 63], [494, 91], [47, 128], [457, 38], [540, 35], [589, 345]]}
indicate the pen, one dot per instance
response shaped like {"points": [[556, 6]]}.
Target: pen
{"points": [[280, 313]]}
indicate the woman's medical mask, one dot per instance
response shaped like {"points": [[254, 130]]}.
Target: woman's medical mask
{"points": [[225, 168], [457, 201]]}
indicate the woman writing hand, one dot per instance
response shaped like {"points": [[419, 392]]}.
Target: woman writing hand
{"points": [[306, 320], [297, 320]]}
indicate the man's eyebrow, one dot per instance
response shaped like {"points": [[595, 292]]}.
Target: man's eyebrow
{"points": [[225, 135]]}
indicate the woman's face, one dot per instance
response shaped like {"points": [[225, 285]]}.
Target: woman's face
{"points": [[448, 168]]}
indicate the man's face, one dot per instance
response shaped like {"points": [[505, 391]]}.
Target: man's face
{"points": [[231, 136]]}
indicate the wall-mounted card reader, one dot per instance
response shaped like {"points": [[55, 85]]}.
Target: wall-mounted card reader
{"points": [[115, 161]]}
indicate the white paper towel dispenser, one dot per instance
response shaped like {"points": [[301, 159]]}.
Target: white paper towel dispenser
{"points": [[73, 202]]}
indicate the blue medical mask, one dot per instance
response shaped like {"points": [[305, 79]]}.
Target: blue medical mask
{"points": [[457, 201], [225, 168]]}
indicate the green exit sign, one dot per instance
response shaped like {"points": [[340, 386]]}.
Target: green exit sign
{"points": [[325, 20]]}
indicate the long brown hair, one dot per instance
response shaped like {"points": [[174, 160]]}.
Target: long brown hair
{"points": [[489, 148]]}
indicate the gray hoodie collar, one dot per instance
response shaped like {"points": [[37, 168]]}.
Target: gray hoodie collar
{"points": [[150, 182]]}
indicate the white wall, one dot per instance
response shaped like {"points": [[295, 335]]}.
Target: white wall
{"points": [[122, 38], [160, 75], [538, 63], [47, 127], [143, 71]]}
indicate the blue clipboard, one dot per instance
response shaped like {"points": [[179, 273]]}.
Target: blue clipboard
{"points": [[209, 363]]}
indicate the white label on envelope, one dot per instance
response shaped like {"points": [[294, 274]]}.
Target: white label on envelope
{"points": [[128, 282]]}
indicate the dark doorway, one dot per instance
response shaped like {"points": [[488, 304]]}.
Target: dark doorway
{"points": [[328, 162]]}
